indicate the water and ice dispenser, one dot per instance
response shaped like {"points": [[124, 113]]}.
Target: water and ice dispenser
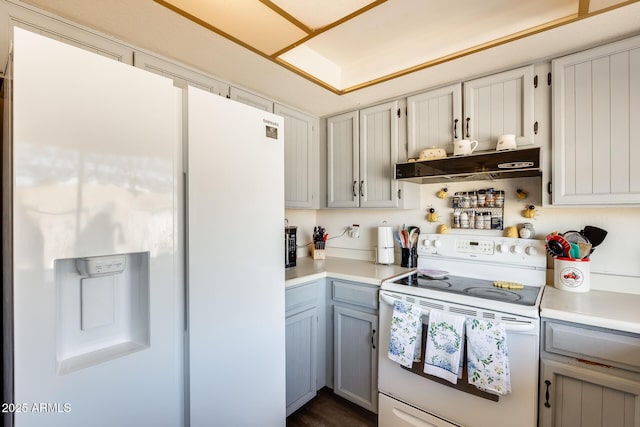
{"points": [[103, 309]]}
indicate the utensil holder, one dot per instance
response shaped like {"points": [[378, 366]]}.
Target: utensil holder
{"points": [[409, 257], [573, 275]]}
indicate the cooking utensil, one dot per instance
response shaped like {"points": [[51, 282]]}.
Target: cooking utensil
{"points": [[594, 234], [585, 249], [575, 237], [566, 246], [554, 248]]}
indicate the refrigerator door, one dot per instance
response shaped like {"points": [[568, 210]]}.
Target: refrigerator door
{"points": [[95, 145], [236, 319]]}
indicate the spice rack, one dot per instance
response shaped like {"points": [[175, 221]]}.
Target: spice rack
{"points": [[480, 210]]}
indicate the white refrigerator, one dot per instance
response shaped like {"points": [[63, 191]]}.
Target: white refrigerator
{"points": [[97, 289], [148, 248], [235, 293]]}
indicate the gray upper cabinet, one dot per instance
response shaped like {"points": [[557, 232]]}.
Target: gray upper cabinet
{"points": [[378, 155], [596, 97], [300, 159], [182, 76], [499, 104], [251, 99], [23, 16], [434, 119], [494, 105], [362, 150], [343, 161]]}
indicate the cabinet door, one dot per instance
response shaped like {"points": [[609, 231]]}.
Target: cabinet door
{"points": [[301, 338], [40, 22], [499, 104], [575, 396], [434, 119], [378, 156], [250, 99], [300, 159], [343, 170], [596, 96], [356, 357], [181, 76]]}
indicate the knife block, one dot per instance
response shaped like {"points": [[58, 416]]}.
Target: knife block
{"points": [[317, 250]]}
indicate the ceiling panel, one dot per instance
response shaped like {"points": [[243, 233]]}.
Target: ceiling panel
{"points": [[249, 21], [400, 34], [347, 45], [319, 14]]}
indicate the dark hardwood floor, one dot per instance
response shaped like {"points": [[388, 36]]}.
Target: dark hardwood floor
{"points": [[330, 410]]}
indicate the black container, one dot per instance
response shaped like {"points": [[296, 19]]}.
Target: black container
{"points": [[290, 246], [409, 257]]}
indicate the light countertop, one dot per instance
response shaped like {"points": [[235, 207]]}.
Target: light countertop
{"points": [[604, 309], [308, 269]]}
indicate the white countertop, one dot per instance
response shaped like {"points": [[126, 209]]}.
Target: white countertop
{"points": [[605, 309], [308, 269]]}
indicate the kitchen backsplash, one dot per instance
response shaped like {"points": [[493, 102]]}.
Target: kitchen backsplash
{"points": [[615, 263]]}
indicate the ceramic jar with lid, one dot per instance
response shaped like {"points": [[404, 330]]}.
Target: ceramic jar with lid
{"points": [[527, 231]]}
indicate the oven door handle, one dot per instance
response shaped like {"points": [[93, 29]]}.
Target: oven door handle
{"points": [[509, 326]]}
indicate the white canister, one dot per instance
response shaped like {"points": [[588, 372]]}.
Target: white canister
{"points": [[573, 275], [384, 250]]}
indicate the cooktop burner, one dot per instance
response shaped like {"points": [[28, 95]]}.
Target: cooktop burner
{"points": [[473, 287]]}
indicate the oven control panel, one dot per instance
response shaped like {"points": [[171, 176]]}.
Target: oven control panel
{"points": [[486, 247], [523, 252]]}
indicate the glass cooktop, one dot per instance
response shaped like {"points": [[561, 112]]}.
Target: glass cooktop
{"points": [[479, 288]]}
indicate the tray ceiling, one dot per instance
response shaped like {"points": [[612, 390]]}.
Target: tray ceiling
{"points": [[348, 45]]}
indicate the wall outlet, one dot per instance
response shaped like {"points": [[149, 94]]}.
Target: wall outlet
{"points": [[354, 231]]}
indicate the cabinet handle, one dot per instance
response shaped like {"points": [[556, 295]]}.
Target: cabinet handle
{"points": [[455, 129], [468, 120], [361, 187], [373, 335], [353, 189], [546, 394]]}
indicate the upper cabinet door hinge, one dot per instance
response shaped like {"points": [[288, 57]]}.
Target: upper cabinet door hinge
{"points": [[399, 113], [535, 81], [549, 79]]}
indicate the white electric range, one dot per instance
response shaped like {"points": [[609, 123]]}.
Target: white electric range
{"points": [[456, 274]]}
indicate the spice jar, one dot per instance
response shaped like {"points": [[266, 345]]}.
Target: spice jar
{"points": [[473, 199], [481, 198], [479, 221], [499, 198], [456, 219], [464, 220], [489, 198], [466, 201]]}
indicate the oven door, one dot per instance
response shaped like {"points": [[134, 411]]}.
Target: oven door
{"points": [[450, 403]]}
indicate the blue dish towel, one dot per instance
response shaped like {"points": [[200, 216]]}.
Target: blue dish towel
{"points": [[406, 333], [488, 357], [445, 340]]}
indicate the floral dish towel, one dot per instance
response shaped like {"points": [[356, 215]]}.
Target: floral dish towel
{"points": [[488, 357], [406, 333], [445, 339]]}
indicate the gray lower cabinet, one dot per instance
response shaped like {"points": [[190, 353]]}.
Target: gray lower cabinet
{"points": [[304, 325], [589, 377], [355, 343], [301, 338]]}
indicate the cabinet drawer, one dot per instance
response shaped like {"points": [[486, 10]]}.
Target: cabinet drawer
{"points": [[300, 296], [599, 346], [357, 294]]}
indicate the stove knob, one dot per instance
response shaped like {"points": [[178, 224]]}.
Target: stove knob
{"points": [[436, 243], [503, 248], [530, 250], [426, 242], [516, 249]]}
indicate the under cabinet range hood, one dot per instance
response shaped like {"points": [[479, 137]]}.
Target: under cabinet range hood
{"points": [[482, 165]]}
